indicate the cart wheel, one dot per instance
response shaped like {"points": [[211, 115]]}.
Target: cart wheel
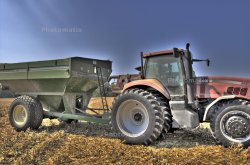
{"points": [[38, 118], [22, 112]]}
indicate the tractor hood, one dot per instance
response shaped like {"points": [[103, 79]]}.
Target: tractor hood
{"points": [[214, 87]]}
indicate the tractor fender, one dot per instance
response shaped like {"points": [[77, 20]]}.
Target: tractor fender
{"points": [[226, 97], [153, 83]]}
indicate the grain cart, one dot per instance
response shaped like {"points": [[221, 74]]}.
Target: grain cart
{"points": [[169, 96], [54, 89]]}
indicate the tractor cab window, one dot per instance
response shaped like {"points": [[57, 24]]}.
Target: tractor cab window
{"points": [[167, 69]]}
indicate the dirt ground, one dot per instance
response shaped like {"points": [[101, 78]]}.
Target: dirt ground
{"points": [[87, 143]]}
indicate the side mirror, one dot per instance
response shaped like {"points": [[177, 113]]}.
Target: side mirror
{"points": [[187, 46], [208, 62], [198, 60], [138, 68]]}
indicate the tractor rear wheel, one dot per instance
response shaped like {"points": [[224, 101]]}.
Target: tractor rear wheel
{"points": [[137, 116], [167, 126], [231, 124]]}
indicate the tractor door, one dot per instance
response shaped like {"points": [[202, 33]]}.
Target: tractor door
{"points": [[169, 71]]}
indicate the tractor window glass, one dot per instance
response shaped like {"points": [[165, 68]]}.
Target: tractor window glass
{"points": [[113, 81], [167, 69]]}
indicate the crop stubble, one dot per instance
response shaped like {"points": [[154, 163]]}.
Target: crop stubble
{"points": [[78, 143]]}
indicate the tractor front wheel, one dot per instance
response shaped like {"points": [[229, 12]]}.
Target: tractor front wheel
{"points": [[137, 116]]}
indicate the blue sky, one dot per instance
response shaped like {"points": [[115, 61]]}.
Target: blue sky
{"points": [[119, 30]]}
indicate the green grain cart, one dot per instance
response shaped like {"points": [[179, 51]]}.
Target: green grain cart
{"points": [[55, 89]]}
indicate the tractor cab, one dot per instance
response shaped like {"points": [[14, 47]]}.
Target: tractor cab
{"points": [[167, 69], [173, 69]]}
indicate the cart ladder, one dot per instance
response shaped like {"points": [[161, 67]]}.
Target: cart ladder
{"points": [[102, 88]]}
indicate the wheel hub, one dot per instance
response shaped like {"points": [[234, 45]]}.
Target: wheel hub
{"points": [[138, 117], [20, 115], [132, 118], [237, 126]]}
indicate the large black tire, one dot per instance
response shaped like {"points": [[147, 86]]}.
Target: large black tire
{"points": [[38, 118], [25, 112], [219, 106], [168, 118], [137, 116], [231, 123]]}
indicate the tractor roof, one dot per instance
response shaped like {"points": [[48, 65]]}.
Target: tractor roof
{"points": [[159, 53], [171, 51]]}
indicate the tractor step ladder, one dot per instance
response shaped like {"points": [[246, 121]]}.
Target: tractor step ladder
{"points": [[102, 89]]}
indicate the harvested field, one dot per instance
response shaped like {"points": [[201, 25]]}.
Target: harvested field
{"points": [[86, 143]]}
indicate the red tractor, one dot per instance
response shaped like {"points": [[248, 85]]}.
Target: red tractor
{"points": [[169, 96]]}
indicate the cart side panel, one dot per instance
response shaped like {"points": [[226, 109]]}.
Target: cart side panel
{"points": [[87, 66], [49, 73], [14, 74]]}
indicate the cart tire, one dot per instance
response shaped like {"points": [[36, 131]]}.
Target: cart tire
{"points": [[38, 118], [137, 117], [22, 113]]}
